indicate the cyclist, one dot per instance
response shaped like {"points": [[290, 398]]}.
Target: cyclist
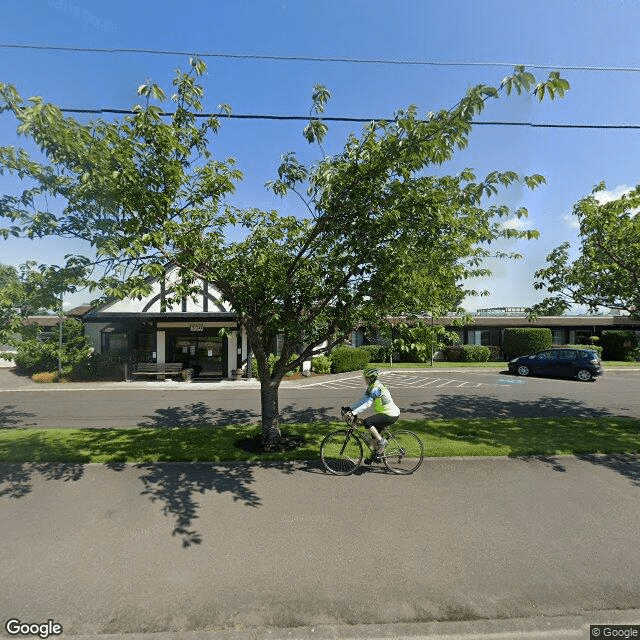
{"points": [[385, 410]]}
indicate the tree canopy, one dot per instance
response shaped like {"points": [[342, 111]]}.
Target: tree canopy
{"points": [[376, 234], [607, 270]]}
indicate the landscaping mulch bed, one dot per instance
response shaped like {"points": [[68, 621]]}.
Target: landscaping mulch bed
{"points": [[253, 444]]}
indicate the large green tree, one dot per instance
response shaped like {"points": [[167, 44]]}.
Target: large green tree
{"points": [[376, 233], [606, 272]]}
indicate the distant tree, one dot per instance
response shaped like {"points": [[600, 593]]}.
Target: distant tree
{"points": [[35, 289], [607, 271], [375, 234]]}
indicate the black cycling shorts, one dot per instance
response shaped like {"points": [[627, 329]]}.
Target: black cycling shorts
{"points": [[380, 421]]}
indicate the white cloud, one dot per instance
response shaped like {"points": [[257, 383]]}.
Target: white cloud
{"points": [[611, 194], [571, 221], [515, 223]]}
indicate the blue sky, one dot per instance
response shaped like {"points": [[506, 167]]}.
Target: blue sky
{"points": [[553, 33]]}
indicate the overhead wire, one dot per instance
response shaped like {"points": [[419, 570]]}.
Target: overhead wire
{"points": [[390, 61], [301, 58]]}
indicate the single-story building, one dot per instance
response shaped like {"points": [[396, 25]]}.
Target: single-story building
{"points": [[150, 330]]}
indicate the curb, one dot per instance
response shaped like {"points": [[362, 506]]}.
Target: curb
{"points": [[541, 628]]}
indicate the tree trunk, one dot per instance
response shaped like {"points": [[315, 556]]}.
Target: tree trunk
{"points": [[270, 411]]}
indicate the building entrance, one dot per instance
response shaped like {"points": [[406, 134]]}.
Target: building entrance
{"points": [[205, 354]]}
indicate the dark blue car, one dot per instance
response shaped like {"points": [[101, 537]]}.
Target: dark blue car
{"points": [[583, 364]]}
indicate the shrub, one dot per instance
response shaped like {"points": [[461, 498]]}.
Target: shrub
{"points": [[377, 352], [466, 353], [348, 359], [45, 376], [496, 353], [521, 342], [619, 345], [321, 364], [100, 366], [38, 356]]}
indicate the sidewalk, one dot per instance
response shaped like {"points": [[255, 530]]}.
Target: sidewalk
{"points": [[471, 548]]}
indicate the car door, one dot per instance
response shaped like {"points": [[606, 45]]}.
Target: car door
{"points": [[545, 363], [566, 362]]}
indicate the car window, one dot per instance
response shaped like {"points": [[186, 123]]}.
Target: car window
{"points": [[568, 354], [547, 355]]}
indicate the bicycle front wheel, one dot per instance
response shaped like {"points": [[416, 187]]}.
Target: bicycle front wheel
{"points": [[341, 452], [404, 453]]}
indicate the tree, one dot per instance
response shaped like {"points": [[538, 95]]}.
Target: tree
{"points": [[34, 289], [420, 339], [607, 271], [36, 355], [376, 235]]}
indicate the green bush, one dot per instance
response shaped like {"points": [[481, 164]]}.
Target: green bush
{"points": [[496, 353], [466, 353], [521, 342], [40, 356], [321, 364], [377, 352], [619, 345], [348, 359], [100, 366]]}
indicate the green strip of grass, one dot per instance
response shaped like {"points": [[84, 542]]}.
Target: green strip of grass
{"points": [[442, 438]]}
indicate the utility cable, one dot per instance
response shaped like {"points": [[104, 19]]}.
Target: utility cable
{"points": [[279, 58]]}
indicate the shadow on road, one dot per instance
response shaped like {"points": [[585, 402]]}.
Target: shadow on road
{"points": [[176, 486], [488, 406], [13, 418]]}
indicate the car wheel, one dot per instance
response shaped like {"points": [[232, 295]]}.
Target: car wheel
{"points": [[584, 375], [523, 370]]}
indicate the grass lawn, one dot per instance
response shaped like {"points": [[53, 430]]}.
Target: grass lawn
{"points": [[478, 437]]}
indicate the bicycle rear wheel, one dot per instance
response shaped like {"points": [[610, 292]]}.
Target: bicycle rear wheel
{"points": [[341, 452], [404, 453]]}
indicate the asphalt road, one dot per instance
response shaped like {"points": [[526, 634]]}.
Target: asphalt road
{"points": [[110, 549], [431, 394], [178, 547]]}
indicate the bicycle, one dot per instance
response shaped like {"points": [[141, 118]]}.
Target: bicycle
{"points": [[341, 451]]}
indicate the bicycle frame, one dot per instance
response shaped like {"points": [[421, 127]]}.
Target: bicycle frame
{"points": [[353, 431]]}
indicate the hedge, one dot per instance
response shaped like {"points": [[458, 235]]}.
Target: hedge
{"points": [[467, 353], [348, 359], [521, 342], [619, 345], [377, 352]]}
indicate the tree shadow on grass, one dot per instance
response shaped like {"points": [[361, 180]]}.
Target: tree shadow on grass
{"points": [[180, 433]]}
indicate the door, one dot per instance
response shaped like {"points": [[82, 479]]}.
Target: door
{"points": [[205, 354], [546, 363], [567, 362]]}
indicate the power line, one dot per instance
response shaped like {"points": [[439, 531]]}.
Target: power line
{"points": [[247, 56], [493, 123]]}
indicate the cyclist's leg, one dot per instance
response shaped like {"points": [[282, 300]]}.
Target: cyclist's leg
{"points": [[377, 423]]}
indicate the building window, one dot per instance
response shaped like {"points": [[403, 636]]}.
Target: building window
{"points": [[115, 342], [558, 336]]}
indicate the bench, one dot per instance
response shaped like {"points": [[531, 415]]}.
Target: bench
{"points": [[158, 369]]}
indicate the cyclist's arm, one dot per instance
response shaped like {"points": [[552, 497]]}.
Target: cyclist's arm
{"points": [[365, 402]]}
